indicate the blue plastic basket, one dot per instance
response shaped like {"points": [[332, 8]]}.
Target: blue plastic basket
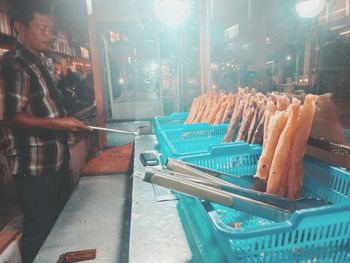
{"points": [[199, 234], [191, 140], [321, 234], [160, 135], [175, 121], [169, 122]]}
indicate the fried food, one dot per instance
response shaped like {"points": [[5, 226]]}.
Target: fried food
{"points": [[296, 171], [277, 124], [282, 151], [234, 122]]}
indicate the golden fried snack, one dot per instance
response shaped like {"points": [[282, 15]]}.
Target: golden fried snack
{"points": [[296, 171], [259, 132], [216, 108], [246, 121], [248, 97], [214, 111], [282, 152], [221, 112], [282, 189], [270, 111], [234, 122], [193, 110], [259, 113], [229, 109], [252, 126], [201, 109], [208, 105], [277, 124], [282, 102]]}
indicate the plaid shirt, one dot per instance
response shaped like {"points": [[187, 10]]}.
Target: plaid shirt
{"points": [[28, 86]]}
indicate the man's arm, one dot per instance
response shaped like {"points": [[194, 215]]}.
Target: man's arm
{"points": [[23, 120]]}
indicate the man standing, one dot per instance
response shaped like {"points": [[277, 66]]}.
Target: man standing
{"points": [[34, 124]]}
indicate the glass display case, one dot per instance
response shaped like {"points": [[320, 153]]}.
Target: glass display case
{"points": [[131, 68]]}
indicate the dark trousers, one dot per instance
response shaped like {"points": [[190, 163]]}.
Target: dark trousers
{"points": [[41, 198]]}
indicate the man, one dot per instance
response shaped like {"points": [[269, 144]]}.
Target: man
{"points": [[34, 125], [71, 86]]}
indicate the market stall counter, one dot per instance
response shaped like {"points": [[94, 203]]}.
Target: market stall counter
{"points": [[97, 216], [156, 233]]}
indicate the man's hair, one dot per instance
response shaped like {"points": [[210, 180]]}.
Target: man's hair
{"points": [[23, 10]]}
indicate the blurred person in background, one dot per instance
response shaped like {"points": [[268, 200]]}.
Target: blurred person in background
{"points": [[77, 90]]}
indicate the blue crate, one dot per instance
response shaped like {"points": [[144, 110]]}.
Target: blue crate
{"points": [[160, 135], [322, 233], [169, 121], [191, 140], [175, 121], [201, 239]]}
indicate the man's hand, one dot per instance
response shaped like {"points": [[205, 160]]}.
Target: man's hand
{"points": [[26, 121], [70, 124]]}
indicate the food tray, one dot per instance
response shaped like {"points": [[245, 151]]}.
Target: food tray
{"points": [[190, 140], [321, 234]]}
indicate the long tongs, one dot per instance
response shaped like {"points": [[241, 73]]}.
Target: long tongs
{"points": [[140, 130], [244, 186], [202, 191], [113, 130]]}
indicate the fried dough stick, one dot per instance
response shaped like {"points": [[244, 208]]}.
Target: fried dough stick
{"points": [[259, 113], [193, 110], [296, 171], [210, 102], [248, 115], [259, 131], [269, 112], [283, 102], [234, 122], [282, 152], [229, 109], [201, 109], [216, 108], [277, 124], [221, 112]]}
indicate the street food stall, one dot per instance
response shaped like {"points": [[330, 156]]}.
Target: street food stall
{"points": [[224, 134]]}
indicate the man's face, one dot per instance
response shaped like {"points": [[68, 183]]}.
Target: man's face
{"points": [[37, 35]]}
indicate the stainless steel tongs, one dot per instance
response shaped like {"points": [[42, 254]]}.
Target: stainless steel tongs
{"points": [[142, 130], [203, 191], [248, 186]]}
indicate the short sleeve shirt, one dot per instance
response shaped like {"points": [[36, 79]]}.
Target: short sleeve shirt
{"points": [[28, 86]]}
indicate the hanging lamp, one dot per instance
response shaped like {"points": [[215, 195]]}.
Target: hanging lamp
{"points": [[309, 8]]}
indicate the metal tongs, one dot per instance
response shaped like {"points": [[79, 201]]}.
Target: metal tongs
{"points": [[248, 185], [205, 183], [140, 130], [203, 191]]}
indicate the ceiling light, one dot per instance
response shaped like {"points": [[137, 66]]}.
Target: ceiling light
{"points": [[309, 8], [172, 12]]}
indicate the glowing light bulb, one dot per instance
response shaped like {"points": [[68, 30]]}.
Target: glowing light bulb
{"points": [[309, 8], [172, 12]]}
